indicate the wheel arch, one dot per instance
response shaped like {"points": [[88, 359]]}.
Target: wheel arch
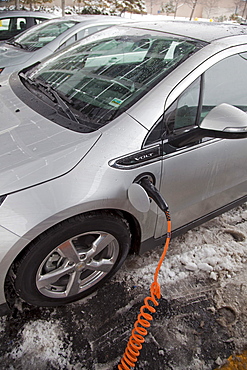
{"points": [[132, 236], [133, 223], [134, 227]]}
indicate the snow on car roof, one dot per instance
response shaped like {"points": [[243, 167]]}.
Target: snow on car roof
{"points": [[204, 31]]}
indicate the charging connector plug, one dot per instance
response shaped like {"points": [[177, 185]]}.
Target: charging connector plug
{"points": [[153, 193]]}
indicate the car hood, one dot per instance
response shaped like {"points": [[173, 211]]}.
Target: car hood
{"points": [[12, 56], [33, 149]]}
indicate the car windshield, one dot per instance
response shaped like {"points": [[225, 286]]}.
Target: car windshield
{"points": [[34, 39], [101, 79]]}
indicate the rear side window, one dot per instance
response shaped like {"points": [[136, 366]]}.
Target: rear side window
{"points": [[89, 30], [38, 20], [10, 27], [81, 34], [4, 24], [21, 24]]}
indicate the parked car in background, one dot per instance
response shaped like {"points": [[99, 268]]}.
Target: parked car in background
{"points": [[44, 39], [14, 22], [165, 101]]}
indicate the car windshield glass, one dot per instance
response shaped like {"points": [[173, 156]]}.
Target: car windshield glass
{"points": [[101, 79], [34, 39]]}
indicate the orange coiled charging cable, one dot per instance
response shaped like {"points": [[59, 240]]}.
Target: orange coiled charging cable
{"points": [[139, 331]]}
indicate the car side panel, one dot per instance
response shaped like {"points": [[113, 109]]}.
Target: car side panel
{"points": [[200, 180]]}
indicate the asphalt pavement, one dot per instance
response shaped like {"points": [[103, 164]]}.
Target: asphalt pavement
{"points": [[189, 331]]}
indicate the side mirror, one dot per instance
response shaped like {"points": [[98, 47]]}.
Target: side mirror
{"points": [[225, 121]]}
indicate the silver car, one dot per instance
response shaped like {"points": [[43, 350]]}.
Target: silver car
{"points": [[14, 22], [44, 39], [163, 101]]}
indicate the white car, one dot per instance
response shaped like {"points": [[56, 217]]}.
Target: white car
{"points": [[44, 39]]}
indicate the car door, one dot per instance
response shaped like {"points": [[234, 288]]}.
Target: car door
{"points": [[199, 177]]}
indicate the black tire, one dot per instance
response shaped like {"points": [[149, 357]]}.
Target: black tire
{"points": [[72, 259]]}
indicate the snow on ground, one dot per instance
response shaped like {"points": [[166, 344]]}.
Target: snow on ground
{"points": [[42, 337], [43, 344], [217, 249]]}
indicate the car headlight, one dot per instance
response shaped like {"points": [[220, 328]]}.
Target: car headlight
{"points": [[2, 197], [1, 69]]}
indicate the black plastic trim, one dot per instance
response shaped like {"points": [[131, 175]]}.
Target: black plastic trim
{"points": [[152, 243], [2, 199], [4, 309], [137, 159]]}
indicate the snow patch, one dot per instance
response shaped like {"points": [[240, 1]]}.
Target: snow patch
{"points": [[42, 342], [208, 251]]}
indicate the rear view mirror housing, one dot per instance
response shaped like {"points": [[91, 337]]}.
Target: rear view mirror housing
{"points": [[224, 121], [227, 120]]}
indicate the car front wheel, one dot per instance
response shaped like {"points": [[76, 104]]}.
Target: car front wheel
{"points": [[72, 259]]}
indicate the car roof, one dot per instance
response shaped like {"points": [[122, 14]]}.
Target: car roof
{"points": [[81, 21], [25, 13], [203, 31], [93, 18]]}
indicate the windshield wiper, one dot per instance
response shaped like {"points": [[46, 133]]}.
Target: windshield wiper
{"points": [[15, 43], [61, 102], [52, 94]]}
